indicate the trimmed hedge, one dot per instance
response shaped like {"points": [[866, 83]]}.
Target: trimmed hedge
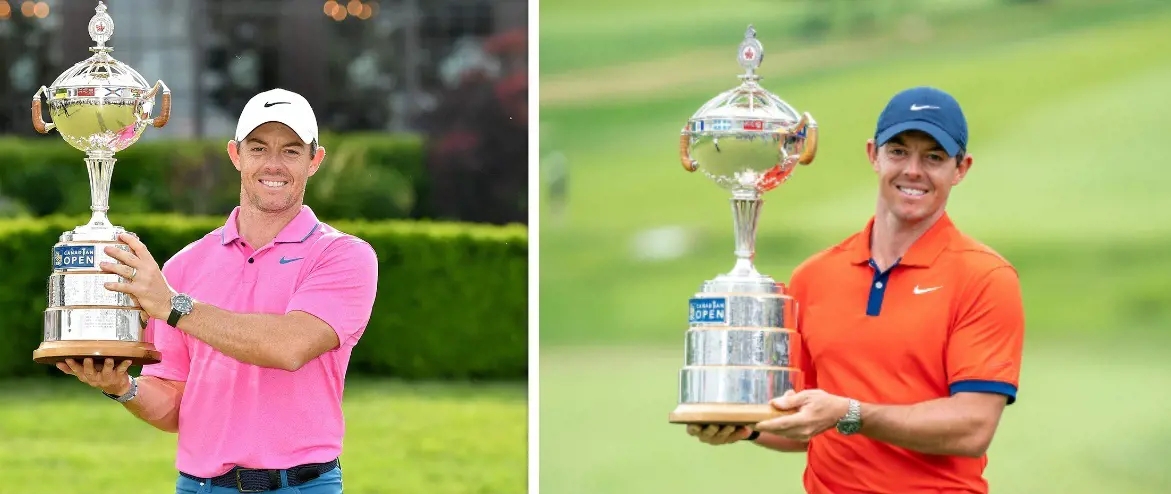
{"points": [[365, 175], [452, 298]]}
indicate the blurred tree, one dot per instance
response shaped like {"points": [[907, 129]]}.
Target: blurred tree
{"points": [[26, 63], [241, 57], [477, 154]]}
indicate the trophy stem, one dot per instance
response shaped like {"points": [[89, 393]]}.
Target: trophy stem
{"points": [[100, 165], [746, 207]]}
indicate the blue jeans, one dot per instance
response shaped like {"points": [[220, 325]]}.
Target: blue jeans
{"points": [[328, 483]]}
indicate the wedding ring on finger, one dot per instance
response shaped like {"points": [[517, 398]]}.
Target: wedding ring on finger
{"points": [[133, 273]]}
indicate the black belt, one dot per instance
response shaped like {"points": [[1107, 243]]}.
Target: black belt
{"points": [[260, 480]]}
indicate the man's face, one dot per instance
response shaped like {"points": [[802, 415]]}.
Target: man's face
{"points": [[274, 166], [915, 175]]}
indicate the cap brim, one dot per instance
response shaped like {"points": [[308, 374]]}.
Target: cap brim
{"points": [[305, 136], [944, 139]]}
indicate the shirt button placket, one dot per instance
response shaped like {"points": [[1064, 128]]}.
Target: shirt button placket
{"points": [[250, 268]]}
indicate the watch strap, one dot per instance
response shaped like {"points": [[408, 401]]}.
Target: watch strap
{"points": [[181, 305], [851, 422], [129, 394]]}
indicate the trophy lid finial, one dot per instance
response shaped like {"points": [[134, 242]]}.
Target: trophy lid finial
{"points": [[751, 53], [101, 28]]}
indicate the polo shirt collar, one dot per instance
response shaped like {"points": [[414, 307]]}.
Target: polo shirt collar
{"points": [[298, 230], [922, 253], [229, 233]]}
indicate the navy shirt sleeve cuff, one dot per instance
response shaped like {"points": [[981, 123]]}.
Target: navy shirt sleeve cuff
{"points": [[978, 386]]}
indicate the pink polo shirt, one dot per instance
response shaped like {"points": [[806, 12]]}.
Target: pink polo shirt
{"points": [[234, 413]]}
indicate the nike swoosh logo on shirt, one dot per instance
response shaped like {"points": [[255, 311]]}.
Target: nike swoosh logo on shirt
{"points": [[920, 291], [286, 261]]}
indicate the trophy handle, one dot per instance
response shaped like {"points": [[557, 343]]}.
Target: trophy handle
{"points": [[38, 122], [165, 110], [685, 156], [808, 126]]}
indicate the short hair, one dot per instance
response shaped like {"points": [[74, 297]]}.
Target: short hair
{"points": [[312, 147]]}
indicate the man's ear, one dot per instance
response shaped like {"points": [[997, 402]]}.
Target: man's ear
{"points": [[872, 154], [234, 153], [315, 164], [962, 169]]}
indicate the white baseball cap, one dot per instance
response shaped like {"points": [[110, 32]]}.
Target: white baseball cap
{"points": [[278, 105]]}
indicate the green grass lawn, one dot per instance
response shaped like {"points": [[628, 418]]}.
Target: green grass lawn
{"points": [[1089, 420], [586, 35], [62, 437]]}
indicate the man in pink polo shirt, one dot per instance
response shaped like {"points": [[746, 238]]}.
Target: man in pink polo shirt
{"points": [[255, 322]]}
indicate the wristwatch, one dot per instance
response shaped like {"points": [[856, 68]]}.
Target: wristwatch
{"points": [[851, 423], [129, 394], [181, 305]]}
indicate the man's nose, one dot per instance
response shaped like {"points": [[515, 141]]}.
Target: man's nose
{"points": [[914, 165]]}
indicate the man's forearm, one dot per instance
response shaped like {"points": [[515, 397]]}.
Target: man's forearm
{"points": [[782, 444], [157, 402], [945, 426], [255, 339]]}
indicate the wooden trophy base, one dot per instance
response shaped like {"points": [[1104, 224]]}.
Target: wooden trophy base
{"points": [[139, 353], [724, 414]]}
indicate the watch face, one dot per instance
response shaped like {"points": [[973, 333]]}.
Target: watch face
{"points": [[848, 428], [182, 303]]}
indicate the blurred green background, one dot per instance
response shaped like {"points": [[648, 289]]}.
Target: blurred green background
{"points": [[1068, 107]]}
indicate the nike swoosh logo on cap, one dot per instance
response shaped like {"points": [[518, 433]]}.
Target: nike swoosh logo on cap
{"points": [[266, 105], [924, 107]]}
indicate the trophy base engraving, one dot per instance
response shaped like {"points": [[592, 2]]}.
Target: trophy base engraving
{"points": [[738, 351], [753, 347], [139, 353], [83, 318], [87, 288], [724, 414], [736, 384]]}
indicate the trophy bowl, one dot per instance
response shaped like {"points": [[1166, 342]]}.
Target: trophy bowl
{"points": [[746, 139], [99, 106], [742, 338]]}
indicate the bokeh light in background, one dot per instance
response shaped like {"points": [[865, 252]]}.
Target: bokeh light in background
{"points": [[353, 8]]}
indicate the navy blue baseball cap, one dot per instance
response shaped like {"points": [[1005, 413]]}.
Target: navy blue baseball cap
{"points": [[925, 109]]}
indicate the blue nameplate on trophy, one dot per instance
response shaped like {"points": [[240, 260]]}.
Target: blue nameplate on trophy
{"points": [[68, 257], [708, 311]]}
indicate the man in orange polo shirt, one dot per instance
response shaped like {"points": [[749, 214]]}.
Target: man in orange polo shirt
{"points": [[912, 330]]}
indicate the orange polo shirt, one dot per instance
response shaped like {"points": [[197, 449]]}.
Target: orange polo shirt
{"points": [[946, 318]]}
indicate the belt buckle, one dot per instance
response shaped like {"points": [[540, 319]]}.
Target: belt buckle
{"points": [[240, 483]]}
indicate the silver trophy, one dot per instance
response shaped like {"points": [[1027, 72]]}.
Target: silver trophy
{"points": [[741, 338], [99, 106]]}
